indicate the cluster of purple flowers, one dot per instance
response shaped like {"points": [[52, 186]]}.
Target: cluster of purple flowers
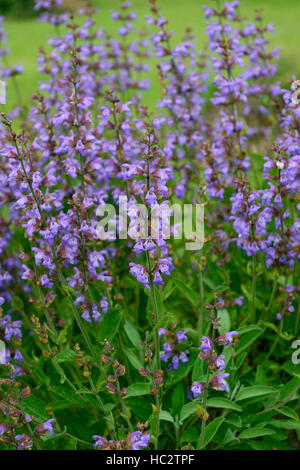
{"points": [[214, 362], [11, 433], [24, 441], [255, 212], [11, 332], [134, 441], [180, 123], [174, 350], [289, 292]]}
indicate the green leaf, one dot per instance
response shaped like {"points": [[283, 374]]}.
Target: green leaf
{"points": [[159, 302], [168, 289], [241, 359], [166, 321], [209, 282], [67, 398], [188, 409], [110, 324], [62, 337], [292, 369], [252, 433], [166, 416], [271, 326], [248, 329], [229, 437], [289, 390], [225, 321], [286, 424], [68, 290], [254, 391], [132, 333], [211, 429], [136, 390], [219, 402], [188, 293], [109, 419], [66, 355], [178, 398], [235, 420], [17, 304], [245, 291], [36, 408], [249, 337], [190, 435], [133, 358], [267, 443], [285, 410], [197, 370], [260, 376], [64, 405]]}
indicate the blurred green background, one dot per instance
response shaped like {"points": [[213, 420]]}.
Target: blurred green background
{"points": [[26, 34]]}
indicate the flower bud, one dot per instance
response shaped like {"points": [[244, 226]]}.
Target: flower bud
{"points": [[120, 370], [111, 379], [112, 389], [25, 393]]}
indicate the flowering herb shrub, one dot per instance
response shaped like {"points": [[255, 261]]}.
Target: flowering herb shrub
{"points": [[134, 343]]}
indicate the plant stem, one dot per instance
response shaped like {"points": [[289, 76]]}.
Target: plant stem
{"points": [[154, 303], [96, 394], [205, 394], [61, 277], [253, 316], [201, 290], [157, 346], [276, 340], [34, 438], [272, 297], [124, 410], [297, 320], [124, 358]]}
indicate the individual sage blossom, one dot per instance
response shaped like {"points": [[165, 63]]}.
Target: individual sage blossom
{"points": [[45, 428], [218, 382]]}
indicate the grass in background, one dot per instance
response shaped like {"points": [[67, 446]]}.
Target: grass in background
{"points": [[26, 36]]}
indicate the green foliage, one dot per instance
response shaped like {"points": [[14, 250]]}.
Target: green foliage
{"points": [[20, 8]]}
